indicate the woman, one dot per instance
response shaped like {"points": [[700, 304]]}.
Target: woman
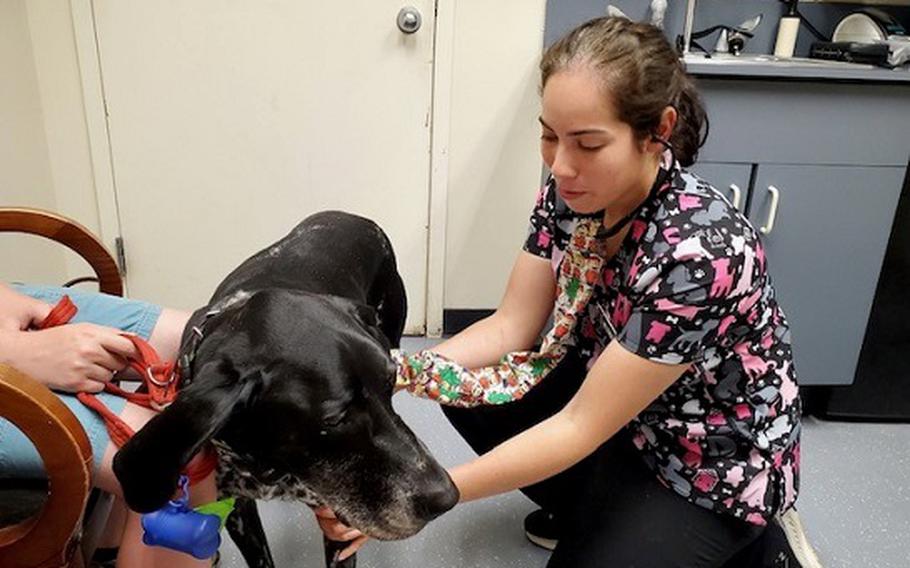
{"points": [[665, 428], [81, 357]]}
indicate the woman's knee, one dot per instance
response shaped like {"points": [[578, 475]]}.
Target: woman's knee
{"points": [[168, 330]]}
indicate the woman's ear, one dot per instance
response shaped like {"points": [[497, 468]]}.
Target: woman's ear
{"points": [[668, 118]]}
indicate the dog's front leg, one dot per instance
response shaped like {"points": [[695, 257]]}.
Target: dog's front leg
{"points": [[245, 529], [332, 548]]}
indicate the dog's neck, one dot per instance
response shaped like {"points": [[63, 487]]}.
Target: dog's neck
{"points": [[185, 362], [240, 476]]}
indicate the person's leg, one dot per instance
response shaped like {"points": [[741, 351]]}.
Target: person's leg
{"points": [[783, 545], [166, 334], [163, 332], [164, 337], [622, 516], [163, 329], [113, 532], [105, 555], [133, 553]]}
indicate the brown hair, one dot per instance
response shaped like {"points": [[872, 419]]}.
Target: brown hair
{"points": [[641, 73]]}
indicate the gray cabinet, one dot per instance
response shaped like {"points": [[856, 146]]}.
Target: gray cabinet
{"points": [[825, 250], [825, 237], [836, 154], [731, 179]]}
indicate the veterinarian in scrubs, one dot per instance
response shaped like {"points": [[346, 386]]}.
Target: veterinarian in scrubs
{"points": [[81, 357], [663, 424]]}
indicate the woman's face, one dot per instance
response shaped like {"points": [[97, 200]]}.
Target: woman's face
{"points": [[595, 158]]}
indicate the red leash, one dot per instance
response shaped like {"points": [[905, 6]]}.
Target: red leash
{"points": [[159, 376]]}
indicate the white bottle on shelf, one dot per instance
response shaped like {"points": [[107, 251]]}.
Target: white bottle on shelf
{"points": [[787, 30]]}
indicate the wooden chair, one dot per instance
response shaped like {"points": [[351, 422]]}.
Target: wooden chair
{"points": [[50, 537]]}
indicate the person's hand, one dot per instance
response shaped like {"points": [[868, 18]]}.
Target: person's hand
{"points": [[339, 532], [19, 312], [78, 357]]}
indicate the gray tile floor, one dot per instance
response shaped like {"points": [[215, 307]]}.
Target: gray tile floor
{"points": [[855, 503]]}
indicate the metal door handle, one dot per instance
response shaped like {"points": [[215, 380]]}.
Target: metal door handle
{"points": [[772, 211], [737, 195], [409, 20]]}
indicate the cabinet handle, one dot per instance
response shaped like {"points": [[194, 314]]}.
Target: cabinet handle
{"points": [[737, 195], [772, 211]]}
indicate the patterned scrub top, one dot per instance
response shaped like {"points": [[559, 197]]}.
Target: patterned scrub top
{"points": [[690, 284]]}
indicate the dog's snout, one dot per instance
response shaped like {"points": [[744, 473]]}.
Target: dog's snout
{"points": [[436, 499]]}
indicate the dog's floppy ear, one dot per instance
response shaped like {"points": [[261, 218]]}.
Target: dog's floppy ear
{"points": [[148, 466], [367, 316]]}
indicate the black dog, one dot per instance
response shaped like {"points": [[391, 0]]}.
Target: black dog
{"points": [[287, 371]]}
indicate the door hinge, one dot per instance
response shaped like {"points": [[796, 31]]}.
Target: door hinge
{"points": [[120, 251]]}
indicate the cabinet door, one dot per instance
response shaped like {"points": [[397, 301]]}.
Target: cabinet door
{"points": [[825, 239], [730, 179]]}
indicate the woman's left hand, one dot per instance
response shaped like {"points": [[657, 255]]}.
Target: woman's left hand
{"points": [[339, 532]]}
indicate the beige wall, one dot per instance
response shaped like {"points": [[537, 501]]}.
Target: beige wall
{"points": [[60, 90], [25, 171], [494, 167]]}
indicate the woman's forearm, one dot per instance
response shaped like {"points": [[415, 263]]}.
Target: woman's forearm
{"points": [[9, 346], [517, 322], [485, 342], [534, 455]]}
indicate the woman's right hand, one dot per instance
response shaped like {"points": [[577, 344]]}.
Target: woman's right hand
{"points": [[79, 357]]}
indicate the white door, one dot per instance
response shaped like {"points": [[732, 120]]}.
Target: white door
{"points": [[230, 121]]}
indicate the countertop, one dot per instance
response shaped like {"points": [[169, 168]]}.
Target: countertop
{"points": [[796, 68]]}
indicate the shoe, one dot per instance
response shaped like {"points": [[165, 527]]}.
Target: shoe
{"points": [[800, 548], [541, 528]]}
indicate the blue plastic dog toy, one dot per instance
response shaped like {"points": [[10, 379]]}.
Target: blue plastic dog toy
{"points": [[193, 531]]}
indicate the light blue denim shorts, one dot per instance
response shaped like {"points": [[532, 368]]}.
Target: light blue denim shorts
{"points": [[18, 457]]}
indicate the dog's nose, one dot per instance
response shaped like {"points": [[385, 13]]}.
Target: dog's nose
{"points": [[436, 500]]}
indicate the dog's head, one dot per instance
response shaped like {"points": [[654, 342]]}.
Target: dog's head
{"points": [[297, 383]]}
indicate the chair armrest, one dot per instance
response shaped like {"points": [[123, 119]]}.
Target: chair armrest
{"points": [[70, 233], [64, 447]]}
